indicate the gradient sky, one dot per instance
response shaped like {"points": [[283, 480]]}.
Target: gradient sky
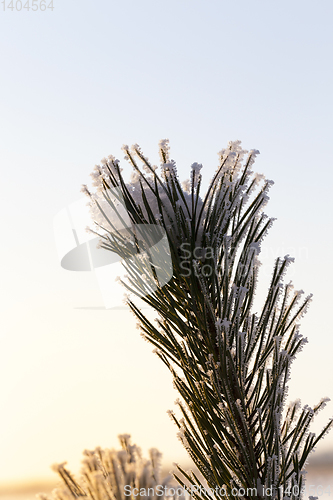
{"points": [[78, 82]]}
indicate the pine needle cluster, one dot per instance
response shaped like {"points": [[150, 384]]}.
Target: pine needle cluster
{"points": [[230, 365]]}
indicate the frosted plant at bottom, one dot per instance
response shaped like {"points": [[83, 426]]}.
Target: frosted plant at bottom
{"points": [[231, 365], [112, 475]]}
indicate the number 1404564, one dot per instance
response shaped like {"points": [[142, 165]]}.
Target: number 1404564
{"points": [[27, 5]]}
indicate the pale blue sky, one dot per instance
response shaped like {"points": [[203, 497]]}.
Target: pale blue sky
{"points": [[76, 84]]}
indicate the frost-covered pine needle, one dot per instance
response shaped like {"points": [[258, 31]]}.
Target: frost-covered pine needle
{"points": [[230, 364]]}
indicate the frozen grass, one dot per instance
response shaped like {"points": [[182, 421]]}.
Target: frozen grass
{"points": [[105, 473]]}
